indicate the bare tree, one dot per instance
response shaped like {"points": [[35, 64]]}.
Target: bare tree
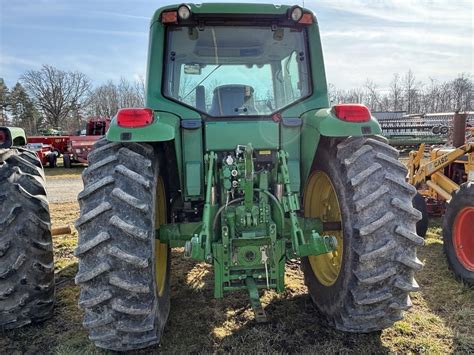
{"points": [[396, 93], [373, 100], [410, 88], [56, 93], [104, 100], [462, 92], [108, 98]]}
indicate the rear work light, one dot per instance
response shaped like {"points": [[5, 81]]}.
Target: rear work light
{"points": [[184, 12], [295, 13], [134, 117], [352, 112]]}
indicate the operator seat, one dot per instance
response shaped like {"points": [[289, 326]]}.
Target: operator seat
{"points": [[233, 99]]}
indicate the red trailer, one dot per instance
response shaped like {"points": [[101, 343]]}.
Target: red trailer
{"points": [[59, 144], [80, 146]]}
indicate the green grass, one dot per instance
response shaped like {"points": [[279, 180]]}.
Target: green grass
{"points": [[440, 321], [60, 172]]}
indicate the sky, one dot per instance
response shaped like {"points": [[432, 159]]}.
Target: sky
{"points": [[361, 39]]}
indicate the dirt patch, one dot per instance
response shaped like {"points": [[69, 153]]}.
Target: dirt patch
{"points": [[61, 190]]}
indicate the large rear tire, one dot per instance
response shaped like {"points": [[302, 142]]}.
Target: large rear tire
{"points": [[458, 233], [123, 272], [364, 286], [26, 249]]}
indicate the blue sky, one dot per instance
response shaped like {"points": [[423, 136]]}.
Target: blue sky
{"points": [[361, 38]]}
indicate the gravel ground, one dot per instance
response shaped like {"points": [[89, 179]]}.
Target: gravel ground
{"points": [[61, 190]]}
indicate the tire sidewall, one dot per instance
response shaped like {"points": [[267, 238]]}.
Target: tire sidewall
{"points": [[420, 204], [334, 297], [461, 198]]}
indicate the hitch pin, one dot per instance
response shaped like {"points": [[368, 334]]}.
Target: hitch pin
{"points": [[264, 259]]}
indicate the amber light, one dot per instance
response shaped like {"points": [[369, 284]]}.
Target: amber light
{"points": [[169, 17], [134, 117], [306, 19], [352, 112]]}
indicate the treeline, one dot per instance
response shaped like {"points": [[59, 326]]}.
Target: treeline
{"points": [[53, 98], [406, 93]]}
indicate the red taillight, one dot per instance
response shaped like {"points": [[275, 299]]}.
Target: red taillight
{"points": [[306, 19], [169, 17], [134, 117], [352, 112], [3, 137]]}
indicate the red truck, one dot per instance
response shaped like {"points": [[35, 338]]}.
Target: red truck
{"points": [[45, 152]]}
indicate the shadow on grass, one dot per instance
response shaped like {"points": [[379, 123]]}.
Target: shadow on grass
{"points": [[200, 323], [445, 296], [296, 326]]}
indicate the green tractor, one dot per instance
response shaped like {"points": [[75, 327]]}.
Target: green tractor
{"points": [[26, 249], [240, 159]]}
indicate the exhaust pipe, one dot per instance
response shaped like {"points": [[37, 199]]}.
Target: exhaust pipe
{"points": [[459, 129]]}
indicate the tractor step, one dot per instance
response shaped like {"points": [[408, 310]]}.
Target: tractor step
{"points": [[260, 315]]}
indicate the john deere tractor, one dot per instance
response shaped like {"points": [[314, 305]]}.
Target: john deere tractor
{"points": [[26, 249], [240, 160]]}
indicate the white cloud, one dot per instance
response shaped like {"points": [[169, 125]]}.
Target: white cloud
{"points": [[454, 13]]}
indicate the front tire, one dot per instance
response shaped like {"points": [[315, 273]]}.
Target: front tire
{"points": [[365, 285], [52, 160], [67, 161], [458, 233], [420, 204], [123, 272], [26, 248]]}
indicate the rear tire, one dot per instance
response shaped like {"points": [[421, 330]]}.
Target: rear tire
{"points": [[67, 161], [26, 249], [371, 288], [124, 306], [52, 160], [420, 204], [458, 233]]}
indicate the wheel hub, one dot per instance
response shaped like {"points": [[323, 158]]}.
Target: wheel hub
{"points": [[321, 202], [463, 237]]}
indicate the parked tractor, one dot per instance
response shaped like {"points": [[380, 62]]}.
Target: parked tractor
{"points": [[26, 250], [446, 184], [239, 159]]}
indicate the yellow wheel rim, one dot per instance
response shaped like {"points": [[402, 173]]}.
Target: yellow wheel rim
{"points": [[161, 249], [320, 201]]}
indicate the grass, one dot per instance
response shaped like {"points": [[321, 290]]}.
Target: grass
{"points": [[440, 321], [60, 172]]}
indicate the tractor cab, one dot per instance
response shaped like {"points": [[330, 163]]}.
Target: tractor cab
{"points": [[233, 71]]}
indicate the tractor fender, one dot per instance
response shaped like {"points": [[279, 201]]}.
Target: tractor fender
{"points": [[165, 127], [12, 136], [323, 122]]}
